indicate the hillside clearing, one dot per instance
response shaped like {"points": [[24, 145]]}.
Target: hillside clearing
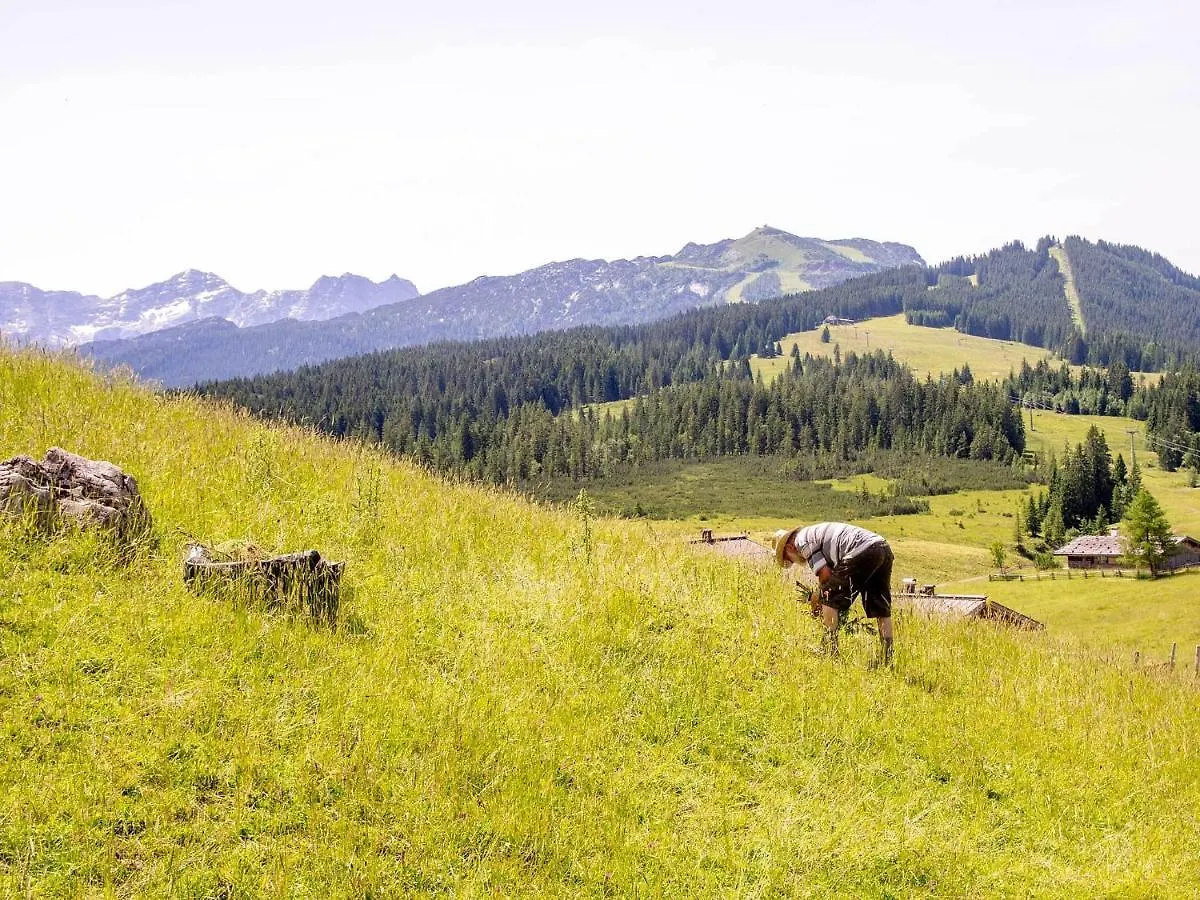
{"points": [[928, 351], [522, 701], [1072, 292]]}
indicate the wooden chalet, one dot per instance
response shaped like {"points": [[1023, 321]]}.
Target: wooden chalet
{"points": [[1107, 551], [1094, 551]]}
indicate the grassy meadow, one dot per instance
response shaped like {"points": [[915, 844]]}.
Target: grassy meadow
{"points": [[928, 351], [523, 701], [949, 545], [1120, 615]]}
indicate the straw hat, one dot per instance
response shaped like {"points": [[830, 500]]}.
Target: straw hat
{"points": [[779, 543]]}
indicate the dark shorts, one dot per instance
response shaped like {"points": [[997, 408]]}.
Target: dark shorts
{"points": [[867, 575]]}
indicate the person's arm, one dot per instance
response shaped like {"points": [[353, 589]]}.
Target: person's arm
{"points": [[819, 566]]}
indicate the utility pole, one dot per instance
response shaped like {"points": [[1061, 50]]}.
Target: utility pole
{"points": [[1132, 452]]}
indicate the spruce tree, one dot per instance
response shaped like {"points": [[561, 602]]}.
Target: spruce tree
{"points": [[1053, 528], [1147, 531]]}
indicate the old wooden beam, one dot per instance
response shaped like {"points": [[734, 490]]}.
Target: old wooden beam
{"points": [[293, 583]]}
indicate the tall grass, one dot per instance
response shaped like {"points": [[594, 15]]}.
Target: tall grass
{"points": [[513, 709]]}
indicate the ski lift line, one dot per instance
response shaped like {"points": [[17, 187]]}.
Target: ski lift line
{"points": [[1162, 442], [1149, 440], [1170, 445], [1033, 404], [1039, 397]]}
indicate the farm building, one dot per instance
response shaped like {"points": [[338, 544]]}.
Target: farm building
{"points": [[837, 320], [1094, 551], [1107, 551], [1185, 552]]}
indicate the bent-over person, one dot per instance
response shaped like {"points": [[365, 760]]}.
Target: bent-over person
{"points": [[849, 562]]}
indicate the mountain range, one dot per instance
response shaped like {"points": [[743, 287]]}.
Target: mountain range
{"points": [[61, 318], [767, 262]]}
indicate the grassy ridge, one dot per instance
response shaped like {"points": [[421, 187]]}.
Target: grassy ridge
{"points": [[520, 707]]}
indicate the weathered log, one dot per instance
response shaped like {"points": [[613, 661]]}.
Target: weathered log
{"points": [[294, 583]]}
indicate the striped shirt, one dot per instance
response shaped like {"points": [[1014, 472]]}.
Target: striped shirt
{"points": [[832, 543]]}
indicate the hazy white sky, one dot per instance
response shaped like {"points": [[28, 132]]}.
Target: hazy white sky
{"points": [[272, 142]]}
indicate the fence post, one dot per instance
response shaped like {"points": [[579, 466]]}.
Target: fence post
{"points": [[1173, 645], [1198, 660]]}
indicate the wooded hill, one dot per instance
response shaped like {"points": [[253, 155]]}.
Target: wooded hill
{"points": [[494, 408]]}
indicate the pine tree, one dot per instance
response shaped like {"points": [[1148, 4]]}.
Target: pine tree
{"points": [[1053, 528], [1147, 531], [1033, 518]]}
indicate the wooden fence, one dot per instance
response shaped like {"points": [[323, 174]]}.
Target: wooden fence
{"points": [[1068, 574], [1169, 665]]}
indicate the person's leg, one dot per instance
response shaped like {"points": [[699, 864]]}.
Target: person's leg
{"points": [[877, 597], [885, 639]]}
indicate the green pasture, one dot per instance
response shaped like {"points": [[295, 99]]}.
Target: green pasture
{"points": [[719, 490], [928, 351], [1108, 613], [522, 701]]}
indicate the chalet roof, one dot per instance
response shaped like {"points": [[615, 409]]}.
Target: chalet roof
{"points": [[1093, 545], [738, 547], [1109, 545], [967, 606]]}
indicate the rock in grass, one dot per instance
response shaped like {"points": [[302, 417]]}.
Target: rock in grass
{"points": [[68, 488]]}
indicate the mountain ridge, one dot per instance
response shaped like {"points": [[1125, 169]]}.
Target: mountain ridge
{"points": [[65, 318]]}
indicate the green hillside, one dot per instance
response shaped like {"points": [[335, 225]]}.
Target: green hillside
{"points": [[522, 702], [928, 351]]}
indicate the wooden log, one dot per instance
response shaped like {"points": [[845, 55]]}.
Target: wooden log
{"points": [[293, 583]]}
